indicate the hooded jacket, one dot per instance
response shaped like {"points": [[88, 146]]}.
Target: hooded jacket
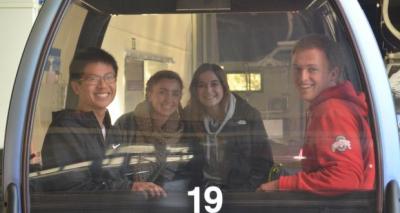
{"points": [[338, 148], [244, 149]]}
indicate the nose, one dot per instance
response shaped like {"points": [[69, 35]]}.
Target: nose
{"points": [[209, 88], [168, 97], [101, 83], [302, 74]]}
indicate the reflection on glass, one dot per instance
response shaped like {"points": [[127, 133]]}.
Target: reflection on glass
{"points": [[255, 50], [255, 82], [244, 81], [237, 82]]}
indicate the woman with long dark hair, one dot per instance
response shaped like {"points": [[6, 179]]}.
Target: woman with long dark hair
{"points": [[226, 133]]}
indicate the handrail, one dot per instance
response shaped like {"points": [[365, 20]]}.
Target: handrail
{"points": [[387, 21]]}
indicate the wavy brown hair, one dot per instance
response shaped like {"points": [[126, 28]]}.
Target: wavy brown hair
{"points": [[197, 111]]}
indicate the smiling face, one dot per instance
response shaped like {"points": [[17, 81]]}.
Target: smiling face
{"points": [[209, 90], [165, 96], [95, 95], [312, 73]]}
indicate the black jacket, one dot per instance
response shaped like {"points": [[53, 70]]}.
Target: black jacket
{"points": [[74, 139], [247, 151]]}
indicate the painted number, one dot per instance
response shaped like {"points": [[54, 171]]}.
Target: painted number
{"points": [[215, 199], [196, 194]]}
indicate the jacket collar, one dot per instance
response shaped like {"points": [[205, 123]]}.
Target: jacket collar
{"points": [[86, 118], [344, 91]]}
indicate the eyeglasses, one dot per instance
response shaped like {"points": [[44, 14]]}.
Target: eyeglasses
{"points": [[95, 79]]}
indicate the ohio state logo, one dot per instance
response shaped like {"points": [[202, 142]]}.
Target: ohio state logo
{"points": [[341, 144]]}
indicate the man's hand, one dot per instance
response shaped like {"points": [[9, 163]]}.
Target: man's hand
{"points": [[269, 186], [154, 190]]}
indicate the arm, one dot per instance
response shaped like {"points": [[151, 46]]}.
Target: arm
{"points": [[59, 148], [65, 146], [126, 126], [331, 171], [261, 159], [192, 170]]}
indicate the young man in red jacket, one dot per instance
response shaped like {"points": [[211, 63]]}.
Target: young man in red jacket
{"points": [[338, 148]]}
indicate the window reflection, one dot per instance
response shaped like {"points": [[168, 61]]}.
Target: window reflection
{"points": [[243, 82], [254, 49]]}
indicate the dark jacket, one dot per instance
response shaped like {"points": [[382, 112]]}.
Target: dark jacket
{"points": [[137, 130], [247, 151], [74, 139]]}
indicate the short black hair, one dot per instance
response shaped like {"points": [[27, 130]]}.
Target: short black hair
{"points": [[87, 56]]}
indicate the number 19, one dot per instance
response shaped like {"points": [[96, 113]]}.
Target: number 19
{"points": [[217, 200]]}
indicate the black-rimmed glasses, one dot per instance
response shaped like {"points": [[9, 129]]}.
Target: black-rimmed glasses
{"points": [[95, 79]]}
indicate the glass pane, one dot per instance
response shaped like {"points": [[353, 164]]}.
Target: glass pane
{"points": [[52, 97], [244, 82], [255, 81], [237, 82], [143, 136]]}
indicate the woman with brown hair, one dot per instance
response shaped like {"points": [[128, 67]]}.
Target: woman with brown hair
{"points": [[226, 133], [155, 122]]}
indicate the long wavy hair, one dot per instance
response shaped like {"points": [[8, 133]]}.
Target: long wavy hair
{"points": [[196, 110]]}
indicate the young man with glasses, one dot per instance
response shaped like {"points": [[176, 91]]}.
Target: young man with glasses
{"points": [[78, 138]]}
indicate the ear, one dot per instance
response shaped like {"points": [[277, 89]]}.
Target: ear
{"points": [[334, 74], [148, 98], [75, 87], [149, 94]]}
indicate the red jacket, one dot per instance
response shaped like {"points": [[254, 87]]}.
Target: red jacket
{"points": [[338, 149]]}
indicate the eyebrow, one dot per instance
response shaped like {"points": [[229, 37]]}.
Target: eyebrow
{"points": [[307, 65], [94, 74], [173, 90], [212, 81]]}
